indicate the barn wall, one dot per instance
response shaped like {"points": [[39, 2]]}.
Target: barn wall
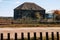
{"points": [[27, 13], [43, 13], [17, 14]]}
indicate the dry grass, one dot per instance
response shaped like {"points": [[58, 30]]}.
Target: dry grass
{"points": [[29, 25], [7, 22]]}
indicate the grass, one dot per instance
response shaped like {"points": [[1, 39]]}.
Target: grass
{"points": [[9, 22], [29, 25]]}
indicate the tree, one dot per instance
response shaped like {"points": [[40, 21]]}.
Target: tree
{"points": [[57, 14]]}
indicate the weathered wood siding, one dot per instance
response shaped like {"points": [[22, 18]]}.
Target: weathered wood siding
{"points": [[27, 13]]}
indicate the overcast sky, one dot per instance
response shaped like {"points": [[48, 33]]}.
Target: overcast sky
{"points": [[7, 6]]}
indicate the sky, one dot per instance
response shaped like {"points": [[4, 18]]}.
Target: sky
{"points": [[7, 6]]}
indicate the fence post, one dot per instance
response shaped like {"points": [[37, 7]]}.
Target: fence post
{"points": [[34, 35], [52, 35], [28, 36], [1, 36], [40, 35], [15, 36], [8, 36], [57, 35], [22, 36], [47, 37]]}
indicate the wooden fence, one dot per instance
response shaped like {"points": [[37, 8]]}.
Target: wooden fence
{"points": [[28, 37]]}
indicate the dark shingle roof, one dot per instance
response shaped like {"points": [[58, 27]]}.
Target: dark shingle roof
{"points": [[29, 6]]}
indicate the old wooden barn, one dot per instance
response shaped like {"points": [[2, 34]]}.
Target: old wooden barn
{"points": [[29, 11]]}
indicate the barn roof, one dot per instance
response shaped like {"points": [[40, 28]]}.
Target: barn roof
{"points": [[29, 6]]}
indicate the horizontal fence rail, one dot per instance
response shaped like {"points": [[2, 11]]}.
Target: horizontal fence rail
{"points": [[34, 38]]}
